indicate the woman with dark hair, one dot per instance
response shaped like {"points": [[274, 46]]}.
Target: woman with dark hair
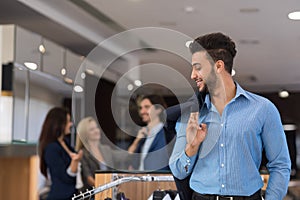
{"points": [[58, 160]]}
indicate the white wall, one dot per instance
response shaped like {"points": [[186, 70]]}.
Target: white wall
{"points": [[1, 50], [6, 102]]}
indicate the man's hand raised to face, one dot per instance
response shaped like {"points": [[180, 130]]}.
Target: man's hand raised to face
{"points": [[195, 134]]}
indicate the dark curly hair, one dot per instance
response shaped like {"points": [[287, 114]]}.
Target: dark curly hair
{"points": [[218, 46]]}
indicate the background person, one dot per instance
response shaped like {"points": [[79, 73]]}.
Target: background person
{"points": [[150, 143], [96, 156], [58, 160]]}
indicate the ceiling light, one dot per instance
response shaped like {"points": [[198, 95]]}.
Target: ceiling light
{"points": [[90, 72], [249, 10], [68, 80], [289, 127], [130, 87], [167, 23], [283, 94], [63, 71], [188, 43], [189, 9], [42, 49], [138, 83], [248, 41], [294, 15], [78, 88], [83, 75], [233, 72], [31, 65]]}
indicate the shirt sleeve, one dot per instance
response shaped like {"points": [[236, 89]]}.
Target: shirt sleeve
{"points": [[180, 164], [69, 171], [275, 145]]}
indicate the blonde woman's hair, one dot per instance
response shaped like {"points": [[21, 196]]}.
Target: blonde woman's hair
{"points": [[82, 129]]}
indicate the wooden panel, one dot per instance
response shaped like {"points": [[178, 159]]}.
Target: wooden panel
{"points": [[33, 177], [133, 190], [14, 178], [102, 179], [18, 178]]}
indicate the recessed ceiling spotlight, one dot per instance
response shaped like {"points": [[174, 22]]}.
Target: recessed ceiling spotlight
{"points": [[83, 75], [138, 83], [283, 94], [188, 43], [249, 41], [63, 71], [294, 15], [130, 87], [42, 49], [167, 23], [249, 10], [189, 9], [78, 88], [31, 65]]}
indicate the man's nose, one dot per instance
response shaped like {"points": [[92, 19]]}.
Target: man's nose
{"points": [[193, 74], [143, 110]]}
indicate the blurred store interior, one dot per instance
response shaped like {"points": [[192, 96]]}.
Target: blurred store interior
{"points": [[75, 54]]}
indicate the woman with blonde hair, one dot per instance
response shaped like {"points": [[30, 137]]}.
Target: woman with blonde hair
{"points": [[96, 156]]}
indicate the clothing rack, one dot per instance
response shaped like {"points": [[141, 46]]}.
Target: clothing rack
{"points": [[148, 178]]}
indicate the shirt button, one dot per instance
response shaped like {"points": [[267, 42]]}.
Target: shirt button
{"points": [[222, 145], [222, 124], [222, 165], [223, 185]]}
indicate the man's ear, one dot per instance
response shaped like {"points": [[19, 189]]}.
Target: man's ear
{"points": [[220, 66]]}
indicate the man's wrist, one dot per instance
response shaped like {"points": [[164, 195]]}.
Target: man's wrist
{"points": [[191, 150]]}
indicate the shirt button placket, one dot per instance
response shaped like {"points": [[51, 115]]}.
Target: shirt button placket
{"points": [[222, 158]]}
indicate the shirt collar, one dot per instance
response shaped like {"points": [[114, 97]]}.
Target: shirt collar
{"points": [[239, 92], [156, 129]]}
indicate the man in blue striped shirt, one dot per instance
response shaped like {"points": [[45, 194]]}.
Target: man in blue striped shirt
{"points": [[221, 145]]}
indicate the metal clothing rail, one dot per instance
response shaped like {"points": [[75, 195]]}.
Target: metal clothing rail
{"points": [[90, 193]]}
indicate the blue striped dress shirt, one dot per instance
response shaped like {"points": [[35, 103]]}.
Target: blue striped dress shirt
{"points": [[229, 158]]}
